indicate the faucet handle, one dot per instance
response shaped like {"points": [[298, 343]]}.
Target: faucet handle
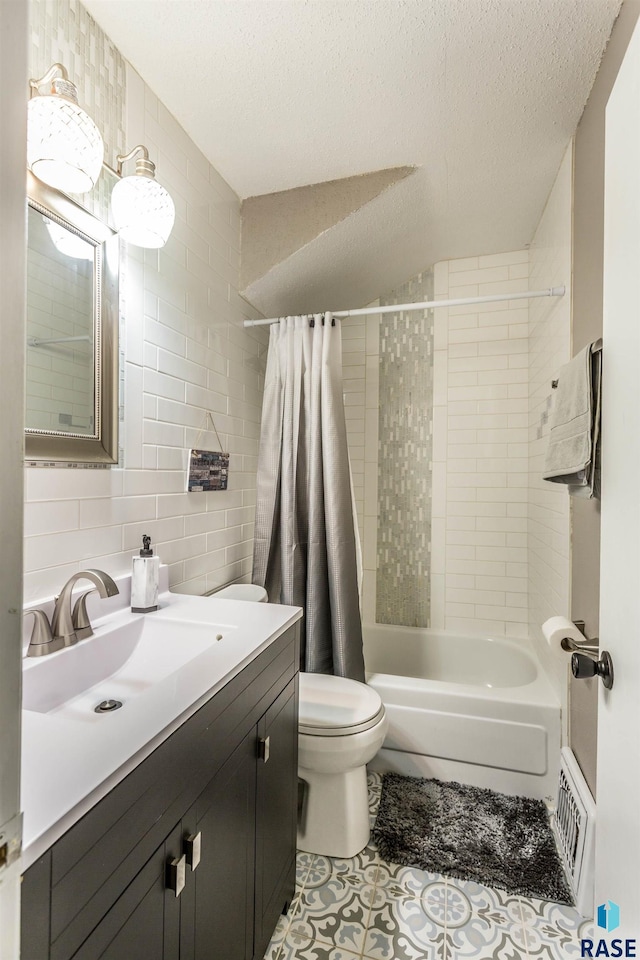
{"points": [[80, 617], [41, 641]]}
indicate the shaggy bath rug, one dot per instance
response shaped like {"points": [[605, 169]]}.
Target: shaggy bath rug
{"points": [[471, 834]]}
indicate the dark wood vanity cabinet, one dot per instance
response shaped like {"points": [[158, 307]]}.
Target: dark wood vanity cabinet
{"points": [[224, 782]]}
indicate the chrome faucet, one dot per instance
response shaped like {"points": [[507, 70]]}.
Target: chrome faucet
{"points": [[72, 625]]}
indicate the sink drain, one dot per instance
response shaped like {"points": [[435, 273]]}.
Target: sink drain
{"points": [[108, 706]]}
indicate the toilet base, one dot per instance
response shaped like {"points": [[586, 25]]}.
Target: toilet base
{"points": [[334, 819]]}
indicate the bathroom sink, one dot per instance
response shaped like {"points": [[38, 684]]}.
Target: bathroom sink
{"points": [[163, 667], [124, 659]]}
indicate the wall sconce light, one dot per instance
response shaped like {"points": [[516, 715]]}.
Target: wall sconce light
{"points": [[64, 146], [143, 210], [65, 150]]}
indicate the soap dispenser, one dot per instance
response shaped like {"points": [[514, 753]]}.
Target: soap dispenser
{"points": [[144, 579]]}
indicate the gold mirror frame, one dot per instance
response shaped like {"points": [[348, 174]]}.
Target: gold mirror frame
{"points": [[101, 447]]}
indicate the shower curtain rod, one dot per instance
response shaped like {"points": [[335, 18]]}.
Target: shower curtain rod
{"points": [[427, 304]]}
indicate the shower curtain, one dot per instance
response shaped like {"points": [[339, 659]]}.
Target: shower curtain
{"points": [[305, 550]]}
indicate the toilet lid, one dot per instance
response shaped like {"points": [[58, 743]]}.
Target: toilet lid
{"points": [[242, 591], [331, 706]]}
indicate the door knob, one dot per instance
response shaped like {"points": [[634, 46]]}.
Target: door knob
{"points": [[583, 666]]}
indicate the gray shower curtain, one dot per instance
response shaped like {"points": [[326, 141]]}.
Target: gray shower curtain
{"points": [[305, 540]]}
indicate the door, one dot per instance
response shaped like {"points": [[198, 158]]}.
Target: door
{"points": [[618, 788], [13, 143]]}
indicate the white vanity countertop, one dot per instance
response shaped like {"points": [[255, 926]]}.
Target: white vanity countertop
{"points": [[72, 757]]}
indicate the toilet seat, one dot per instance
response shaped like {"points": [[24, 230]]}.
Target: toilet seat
{"points": [[336, 706]]}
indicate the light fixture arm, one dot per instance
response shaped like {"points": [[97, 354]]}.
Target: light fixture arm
{"points": [[144, 166], [56, 68], [61, 85]]}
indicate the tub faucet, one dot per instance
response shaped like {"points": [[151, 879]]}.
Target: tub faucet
{"points": [[67, 624]]}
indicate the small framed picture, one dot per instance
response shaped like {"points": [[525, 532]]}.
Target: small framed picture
{"points": [[207, 470]]}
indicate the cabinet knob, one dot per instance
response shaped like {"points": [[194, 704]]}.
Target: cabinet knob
{"points": [[263, 749], [177, 870], [193, 849]]}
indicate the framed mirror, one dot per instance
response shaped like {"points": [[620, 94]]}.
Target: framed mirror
{"points": [[71, 407]]}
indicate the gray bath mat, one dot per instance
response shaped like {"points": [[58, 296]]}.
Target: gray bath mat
{"points": [[471, 834]]}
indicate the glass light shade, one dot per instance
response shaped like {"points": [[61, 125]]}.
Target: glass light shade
{"points": [[64, 146], [68, 243], [143, 211]]}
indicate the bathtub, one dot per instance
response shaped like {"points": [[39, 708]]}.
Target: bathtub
{"points": [[479, 711]]}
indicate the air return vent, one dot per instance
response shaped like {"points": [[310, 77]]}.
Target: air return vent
{"points": [[574, 825]]}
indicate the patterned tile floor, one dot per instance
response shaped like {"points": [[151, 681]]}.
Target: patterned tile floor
{"points": [[368, 908]]}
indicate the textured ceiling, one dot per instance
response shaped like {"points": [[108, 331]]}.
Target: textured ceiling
{"points": [[481, 95], [276, 225]]}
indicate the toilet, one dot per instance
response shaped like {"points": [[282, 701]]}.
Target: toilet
{"points": [[341, 726]]}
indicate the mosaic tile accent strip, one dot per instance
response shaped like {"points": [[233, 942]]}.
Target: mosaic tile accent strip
{"points": [[368, 909], [63, 32], [405, 442]]}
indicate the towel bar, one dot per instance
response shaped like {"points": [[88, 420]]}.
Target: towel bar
{"points": [[596, 346]]}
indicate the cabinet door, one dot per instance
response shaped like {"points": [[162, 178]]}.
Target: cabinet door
{"points": [[224, 877], [144, 921], [276, 814], [35, 914]]}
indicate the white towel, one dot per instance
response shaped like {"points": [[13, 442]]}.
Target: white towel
{"points": [[572, 454]]}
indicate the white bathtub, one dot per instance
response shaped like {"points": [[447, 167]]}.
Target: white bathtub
{"points": [[474, 710]]}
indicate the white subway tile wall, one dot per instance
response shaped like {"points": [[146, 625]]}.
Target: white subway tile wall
{"points": [[186, 353], [549, 519], [480, 449]]}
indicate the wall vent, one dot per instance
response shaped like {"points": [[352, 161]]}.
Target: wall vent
{"points": [[574, 826]]}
